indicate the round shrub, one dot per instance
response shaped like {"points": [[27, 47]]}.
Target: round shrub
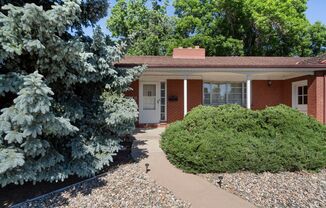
{"points": [[231, 138]]}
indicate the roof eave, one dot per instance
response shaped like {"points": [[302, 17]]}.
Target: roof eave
{"points": [[315, 66]]}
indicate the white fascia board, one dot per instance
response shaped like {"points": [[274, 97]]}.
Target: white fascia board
{"points": [[236, 70]]}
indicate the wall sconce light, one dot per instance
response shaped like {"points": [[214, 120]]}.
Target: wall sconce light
{"points": [[269, 83]]}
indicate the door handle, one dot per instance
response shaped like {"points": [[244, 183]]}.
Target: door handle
{"points": [[158, 101]]}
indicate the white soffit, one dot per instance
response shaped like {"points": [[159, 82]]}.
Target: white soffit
{"points": [[237, 70], [223, 76]]}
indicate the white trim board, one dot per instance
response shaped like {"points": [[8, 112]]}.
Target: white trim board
{"points": [[238, 70], [222, 76]]}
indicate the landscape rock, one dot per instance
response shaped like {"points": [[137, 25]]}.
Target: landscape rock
{"points": [[287, 189], [125, 186]]}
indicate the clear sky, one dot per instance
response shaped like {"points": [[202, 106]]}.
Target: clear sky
{"points": [[316, 12]]}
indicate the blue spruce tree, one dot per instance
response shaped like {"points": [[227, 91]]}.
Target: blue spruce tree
{"points": [[63, 107]]}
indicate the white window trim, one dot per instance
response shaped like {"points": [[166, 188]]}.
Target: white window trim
{"points": [[165, 104], [294, 96]]}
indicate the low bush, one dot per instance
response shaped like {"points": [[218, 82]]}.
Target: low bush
{"points": [[231, 138]]}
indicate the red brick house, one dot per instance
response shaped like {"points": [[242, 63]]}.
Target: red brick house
{"points": [[172, 86]]}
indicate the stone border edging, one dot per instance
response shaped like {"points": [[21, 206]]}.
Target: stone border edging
{"points": [[57, 191]]}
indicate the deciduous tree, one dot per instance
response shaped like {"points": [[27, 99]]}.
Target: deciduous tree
{"points": [[147, 21], [222, 27], [317, 33]]}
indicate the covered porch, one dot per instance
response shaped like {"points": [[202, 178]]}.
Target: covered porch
{"points": [[164, 96]]}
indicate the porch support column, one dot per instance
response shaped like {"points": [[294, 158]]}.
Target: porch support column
{"points": [[248, 81], [185, 96]]}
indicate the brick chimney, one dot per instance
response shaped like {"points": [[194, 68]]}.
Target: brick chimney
{"points": [[189, 53]]}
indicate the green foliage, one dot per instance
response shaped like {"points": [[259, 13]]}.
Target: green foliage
{"points": [[272, 27], [218, 45], [60, 93], [150, 26], [222, 27], [115, 106], [91, 11], [282, 25], [231, 138], [27, 127], [317, 33]]}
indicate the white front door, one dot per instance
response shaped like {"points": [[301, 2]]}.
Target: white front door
{"points": [[149, 103], [300, 95]]}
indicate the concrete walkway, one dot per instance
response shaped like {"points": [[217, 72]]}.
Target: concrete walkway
{"points": [[188, 187]]}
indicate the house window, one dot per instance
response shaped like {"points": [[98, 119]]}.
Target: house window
{"points": [[302, 95], [163, 101], [224, 93]]}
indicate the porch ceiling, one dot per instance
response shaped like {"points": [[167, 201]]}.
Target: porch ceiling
{"points": [[223, 76]]}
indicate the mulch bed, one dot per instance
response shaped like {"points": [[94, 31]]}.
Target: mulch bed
{"points": [[13, 194]]}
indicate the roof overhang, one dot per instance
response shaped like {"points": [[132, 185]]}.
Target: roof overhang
{"points": [[235, 70], [230, 66]]}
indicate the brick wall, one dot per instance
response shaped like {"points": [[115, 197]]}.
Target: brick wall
{"points": [[189, 53], [174, 108], [280, 92], [175, 88], [195, 93], [287, 89], [134, 92], [264, 95], [317, 96]]}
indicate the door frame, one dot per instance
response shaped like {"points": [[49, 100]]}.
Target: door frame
{"points": [[295, 104], [142, 114]]}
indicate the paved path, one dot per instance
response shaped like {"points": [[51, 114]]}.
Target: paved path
{"points": [[191, 188]]}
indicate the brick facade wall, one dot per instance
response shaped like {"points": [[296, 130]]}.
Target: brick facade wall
{"points": [[264, 95], [134, 92], [287, 89], [317, 96], [280, 92], [175, 88], [174, 108], [195, 93]]}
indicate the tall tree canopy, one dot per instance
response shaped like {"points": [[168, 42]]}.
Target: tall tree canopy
{"points": [[147, 21], [271, 27], [62, 104], [224, 27], [317, 34]]}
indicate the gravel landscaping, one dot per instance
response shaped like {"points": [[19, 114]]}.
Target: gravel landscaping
{"points": [[126, 186], [287, 189]]}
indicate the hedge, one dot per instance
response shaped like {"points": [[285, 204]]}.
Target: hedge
{"points": [[230, 138]]}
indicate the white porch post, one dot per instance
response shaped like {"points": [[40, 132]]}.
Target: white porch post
{"points": [[248, 92], [185, 96]]}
